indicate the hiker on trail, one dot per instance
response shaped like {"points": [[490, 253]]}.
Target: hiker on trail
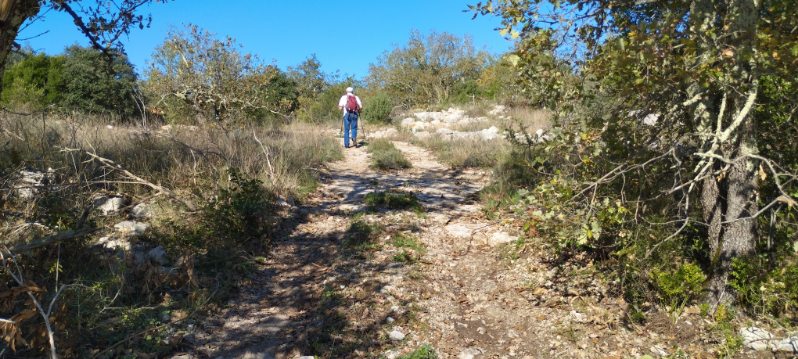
{"points": [[351, 106]]}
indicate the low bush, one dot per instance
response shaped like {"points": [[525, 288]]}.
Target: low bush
{"points": [[402, 240], [361, 235], [392, 200], [385, 156], [770, 291], [378, 108], [546, 187], [680, 285], [411, 249]]}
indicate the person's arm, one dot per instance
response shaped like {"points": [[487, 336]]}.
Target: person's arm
{"points": [[341, 103], [359, 104]]}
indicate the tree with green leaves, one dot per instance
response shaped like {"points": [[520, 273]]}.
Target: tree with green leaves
{"points": [[717, 74], [427, 70], [211, 79], [81, 80], [92, 84], [103, 22], [499, 80], [310, 80], [34, 82]]}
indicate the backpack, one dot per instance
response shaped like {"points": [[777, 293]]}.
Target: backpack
{"points": [[351, 104]]}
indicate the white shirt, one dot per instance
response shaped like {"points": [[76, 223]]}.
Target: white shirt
{"points": [[342, 102]]}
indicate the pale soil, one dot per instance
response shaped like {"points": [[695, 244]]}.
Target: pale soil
{"points": [[464, 296]]}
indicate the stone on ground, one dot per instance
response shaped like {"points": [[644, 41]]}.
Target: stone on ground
{"points": [[109, 205], [396, 335], [131, 227], [500, 237], [756, 338], [458, 230]]}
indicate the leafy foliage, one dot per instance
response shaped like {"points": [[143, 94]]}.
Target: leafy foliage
{"points": [[766, 290], [679, 286], [83, 79], [657, 105], [428, 70], [35, 82], [240, 214], [95, 83], [310, 80], [196, 74], [378, 108], [498, 81]]}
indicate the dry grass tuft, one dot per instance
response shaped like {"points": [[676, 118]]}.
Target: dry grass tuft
{"points": [[465, 153], [385, 156], [530, 119]]}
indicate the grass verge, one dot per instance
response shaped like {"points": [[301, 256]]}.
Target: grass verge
{"points": [[411, 249], [465, 153], [424, 352], [385, 156], [362, 236], [392, 200]]}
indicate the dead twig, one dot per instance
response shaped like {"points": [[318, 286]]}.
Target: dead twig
{"points": [[8, 258]]}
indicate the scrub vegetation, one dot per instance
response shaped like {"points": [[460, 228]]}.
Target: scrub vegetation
{"points": [[645, 143]]}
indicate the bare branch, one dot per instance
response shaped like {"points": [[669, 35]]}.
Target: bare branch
{"points": [[738, 120], [132, 177]]}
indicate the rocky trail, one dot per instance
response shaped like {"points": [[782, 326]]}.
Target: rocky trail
{"points": [[459, 288]]}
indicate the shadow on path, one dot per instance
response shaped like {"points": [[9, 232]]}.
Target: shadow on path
{"points": [[301, 301]]}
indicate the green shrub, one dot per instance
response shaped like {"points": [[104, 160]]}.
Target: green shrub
{"points": [[401, 240], [93, 85], [361, 235], [411, 248], [385, 156], [241, 213], [393, 200], [404, 256], [378, 108], [764, 290], [678, 287], [424, 352], [237, 220], [34, 82]]}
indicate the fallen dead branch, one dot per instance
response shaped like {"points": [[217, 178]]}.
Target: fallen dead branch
{"points": [[133, 178]]}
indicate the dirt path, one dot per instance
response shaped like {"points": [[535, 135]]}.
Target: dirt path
{"points": [[326, 291]]}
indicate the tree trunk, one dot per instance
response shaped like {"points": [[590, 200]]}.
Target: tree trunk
{"points": [[729, 199], [13, 14]]}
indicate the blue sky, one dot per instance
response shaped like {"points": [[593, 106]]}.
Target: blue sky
{"points": [[346, 36]]}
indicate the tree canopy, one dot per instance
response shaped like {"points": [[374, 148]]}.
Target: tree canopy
{"points": [[194, 72], [428, 69]]}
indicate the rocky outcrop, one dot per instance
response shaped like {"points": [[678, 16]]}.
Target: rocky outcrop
{"points": [[759, 339]]}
